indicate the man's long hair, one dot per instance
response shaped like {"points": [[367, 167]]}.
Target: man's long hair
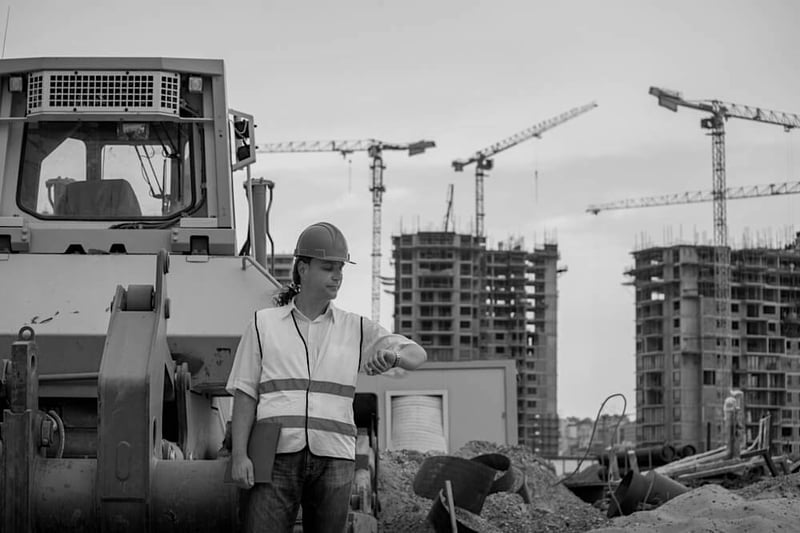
{"points": [[288, 292]]}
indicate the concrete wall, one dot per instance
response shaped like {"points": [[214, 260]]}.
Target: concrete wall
{"points": [[480, 399]]}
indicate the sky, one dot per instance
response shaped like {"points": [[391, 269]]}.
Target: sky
{"points": [[467, 74]]}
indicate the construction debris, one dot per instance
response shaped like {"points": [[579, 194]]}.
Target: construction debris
{"points": [[552, 506], [465, 483], [652, 489], [730, 462]]}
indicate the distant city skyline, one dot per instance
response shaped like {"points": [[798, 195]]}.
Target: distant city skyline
{"points": [[466, 74]]}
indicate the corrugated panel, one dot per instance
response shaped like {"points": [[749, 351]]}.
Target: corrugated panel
{"points": [[418, 423]]}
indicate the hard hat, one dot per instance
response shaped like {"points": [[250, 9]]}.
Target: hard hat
{"points": [[323, 241]]}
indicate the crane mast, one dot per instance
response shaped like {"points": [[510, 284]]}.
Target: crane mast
{"points": [[374, 149], [377, 189], [484, 162], [448, 214]]}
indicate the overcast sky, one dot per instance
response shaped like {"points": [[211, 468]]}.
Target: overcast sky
{"points": [[467, 74]]}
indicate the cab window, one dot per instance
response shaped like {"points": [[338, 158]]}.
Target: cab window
{"points": [[108, 170]]}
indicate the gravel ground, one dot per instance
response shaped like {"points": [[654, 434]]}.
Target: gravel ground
{"points": [[772, 487], [553, 507]]}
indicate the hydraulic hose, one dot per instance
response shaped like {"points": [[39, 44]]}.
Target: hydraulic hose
{"points": [[61, 433]]}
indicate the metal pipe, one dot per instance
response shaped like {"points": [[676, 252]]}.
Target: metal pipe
{"points": [[248, 185], [258, 188], [247, 259], [270, 186], [68, 376], [646, 458]]}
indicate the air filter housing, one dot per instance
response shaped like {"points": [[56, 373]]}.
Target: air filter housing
{"points": [[57, 91]]}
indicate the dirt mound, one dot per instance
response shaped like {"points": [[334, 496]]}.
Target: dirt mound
{"points": [[711, 509], [553, 507], [766, 505]]}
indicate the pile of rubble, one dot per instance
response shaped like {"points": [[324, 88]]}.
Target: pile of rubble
{"points": [[553, 507]]}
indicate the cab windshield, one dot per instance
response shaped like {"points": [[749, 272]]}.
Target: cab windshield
{"points": [[108, 170]]}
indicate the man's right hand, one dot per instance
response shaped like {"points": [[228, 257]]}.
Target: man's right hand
{"points": [[242, 471], [244, 413]]}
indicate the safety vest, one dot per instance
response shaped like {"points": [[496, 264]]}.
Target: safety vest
{"points": [[313, 402]]}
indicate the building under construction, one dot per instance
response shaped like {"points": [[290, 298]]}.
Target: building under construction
{"points": [[462, 301], [281, 267], [683, 375]]}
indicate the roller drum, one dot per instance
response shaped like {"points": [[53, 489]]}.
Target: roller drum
{"points": [[186, 496], [63, 495], [191, 496]]}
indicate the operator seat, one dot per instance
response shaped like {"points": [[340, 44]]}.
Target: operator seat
{"points": [[99, 198]]}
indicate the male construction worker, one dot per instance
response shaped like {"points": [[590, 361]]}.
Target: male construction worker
{"points": [[296, 366]]}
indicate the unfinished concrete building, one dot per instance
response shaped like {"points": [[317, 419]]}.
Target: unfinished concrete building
{"points": [[281, 267], [462, 301], [682, 375]]}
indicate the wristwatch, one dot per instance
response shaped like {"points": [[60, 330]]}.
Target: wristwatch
{"points": [[396, 359]]}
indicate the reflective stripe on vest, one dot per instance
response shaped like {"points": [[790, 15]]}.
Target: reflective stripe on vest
{"points": [[322, 387], [321, 424]]}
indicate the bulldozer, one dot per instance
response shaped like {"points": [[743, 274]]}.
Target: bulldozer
{"points": [[124, 294]]}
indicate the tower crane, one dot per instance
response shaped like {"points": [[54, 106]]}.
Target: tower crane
{"points": [[484, 162], [448, 215], [693, 197], [374, 149], [720, 112]]}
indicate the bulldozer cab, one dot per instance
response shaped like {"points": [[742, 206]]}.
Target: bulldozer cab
{"points": [[109, 144], [76, 170]]}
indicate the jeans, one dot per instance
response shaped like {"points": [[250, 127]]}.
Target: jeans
{"points": [[321, 484]]}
